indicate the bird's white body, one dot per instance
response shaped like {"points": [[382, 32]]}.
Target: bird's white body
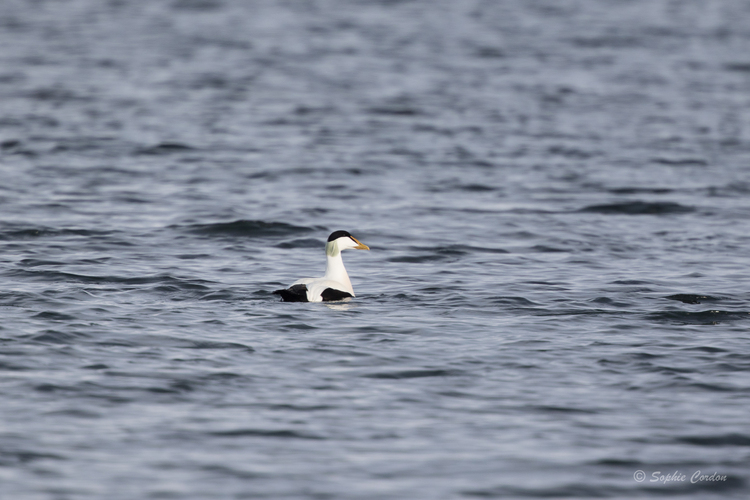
{"points": [[335, 278]]}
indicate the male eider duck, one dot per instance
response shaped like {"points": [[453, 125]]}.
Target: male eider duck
{"points": [[335, 285]]}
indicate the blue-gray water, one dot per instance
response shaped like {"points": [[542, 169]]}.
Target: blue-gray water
{"points": [[556, 198]]}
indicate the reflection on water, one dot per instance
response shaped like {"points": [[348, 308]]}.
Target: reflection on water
{"points": [[343, 305]]}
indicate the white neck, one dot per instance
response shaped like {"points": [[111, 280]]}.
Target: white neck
{"points": [[335, 270]]}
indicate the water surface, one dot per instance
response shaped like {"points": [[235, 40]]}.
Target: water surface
{"points": [[555, 195]]}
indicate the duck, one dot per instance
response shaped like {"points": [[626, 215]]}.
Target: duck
{"points": [[335, 284]]}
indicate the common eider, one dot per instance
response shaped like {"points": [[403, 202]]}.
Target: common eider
{"points": [[335, 284]]}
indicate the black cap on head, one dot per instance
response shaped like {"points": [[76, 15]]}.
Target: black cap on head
{"points": [[338, 234]]}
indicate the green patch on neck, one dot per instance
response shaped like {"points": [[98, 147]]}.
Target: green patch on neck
{"points": [[332, 249]]}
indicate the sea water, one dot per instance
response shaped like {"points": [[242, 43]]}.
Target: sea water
{"points": [[556, 300]]}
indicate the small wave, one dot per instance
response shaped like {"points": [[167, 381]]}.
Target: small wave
{"points": [[249, 229], [640, 190], [276, 433], [56, 337], [705, 348], [631, 282], [394, 110], [54, 316], [731, 439], [413, 374], [740, 67], [20, 233], [12, 367], [9, 458], [489, 52], [167, 341], [38, 262], [301, 243], [464, 249], [20, 299], [10, 144], [638, 208], [610, 302], [56, 95], [164, 148], [208, 81], [730, 190], [711, 387], [512, 301], [571, 153], [546, 249], [458, 186], [81, 144], [197, 5], [51, 275], [562, 409], [222, 294], [96, 366], [711, 317], [607, 41], [681, 162], [205, 344], [418, 259], [602, 300], [616, 462], [475, 188], [431, 254], [232, 472], [399, 296], [557, 491], [691, 298]]}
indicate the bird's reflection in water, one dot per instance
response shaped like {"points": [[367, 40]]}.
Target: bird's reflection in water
{"points": [[344, 305]]}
